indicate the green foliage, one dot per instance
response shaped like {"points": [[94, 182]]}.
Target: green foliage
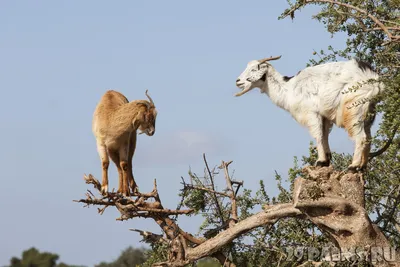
{"points": [[208, 262], [197, 199], [130, 257], [158, 253], [33, 258], [367, 41]]}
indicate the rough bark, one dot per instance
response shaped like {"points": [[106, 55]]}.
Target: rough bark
{"points": [[334, 201]]}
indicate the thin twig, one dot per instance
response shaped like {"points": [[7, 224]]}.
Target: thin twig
{"points": [[189, 186], [214, 196], [387, 144]]}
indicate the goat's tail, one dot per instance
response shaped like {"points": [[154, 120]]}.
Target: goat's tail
{"points": [[358, 109], [375, 88]]}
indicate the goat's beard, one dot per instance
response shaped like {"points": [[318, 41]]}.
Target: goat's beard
{"points": [[244, 90]]}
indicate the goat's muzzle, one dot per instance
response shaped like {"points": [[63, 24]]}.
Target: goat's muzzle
{"points": [[239, 83], [150, 132]]}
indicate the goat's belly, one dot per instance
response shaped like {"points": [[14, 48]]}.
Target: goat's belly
{"points": [[114, 143]]}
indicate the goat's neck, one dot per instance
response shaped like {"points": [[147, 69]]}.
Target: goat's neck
{"points": [[276, 88]]}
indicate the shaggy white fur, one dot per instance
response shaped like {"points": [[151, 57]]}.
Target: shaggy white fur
{"points": [[320, 96]]}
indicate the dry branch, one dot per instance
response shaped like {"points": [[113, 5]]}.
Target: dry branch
{"points": [[232, 194], [214, 196], [150, 237]]}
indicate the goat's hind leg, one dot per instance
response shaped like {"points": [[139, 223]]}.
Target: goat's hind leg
{"points": [[315, 125], [362, 147], [114, 155], [105, 162]]}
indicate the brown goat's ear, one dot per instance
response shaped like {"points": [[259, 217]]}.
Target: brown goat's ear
{"points": [[149, 115], [139, 118]]}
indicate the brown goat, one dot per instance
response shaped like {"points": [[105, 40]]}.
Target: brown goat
{"points": [[115, 125]]}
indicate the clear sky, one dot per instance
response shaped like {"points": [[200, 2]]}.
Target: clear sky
{"points": [[57, 58]]}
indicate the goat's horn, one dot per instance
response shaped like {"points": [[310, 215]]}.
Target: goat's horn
{"points": [[151, 100], [269, 58]]}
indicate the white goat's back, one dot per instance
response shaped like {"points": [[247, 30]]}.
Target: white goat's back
{"points": [[327, 89]]}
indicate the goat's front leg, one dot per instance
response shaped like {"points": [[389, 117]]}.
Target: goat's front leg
{"points": [[132, 147], [123, 163], [362, 148], [327, 126], [105, 162], [316, 127]]}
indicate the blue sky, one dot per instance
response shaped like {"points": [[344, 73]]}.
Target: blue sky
{"points": [[59, 57]]}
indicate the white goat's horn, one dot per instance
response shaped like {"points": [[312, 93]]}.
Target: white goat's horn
{"points": [[151, 100], [269, 58]]}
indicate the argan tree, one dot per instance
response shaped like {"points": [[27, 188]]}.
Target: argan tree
{"points": [[352, 214]]}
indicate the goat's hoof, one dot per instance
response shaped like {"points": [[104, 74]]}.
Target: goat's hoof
{"points": [[323, 163], [353, 169], [329, 156], [126, 193], [104, 189], [135, 190], [362, 169]]}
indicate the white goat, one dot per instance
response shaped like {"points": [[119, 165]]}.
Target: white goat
{"points": [[115, 125], [319, 96]]}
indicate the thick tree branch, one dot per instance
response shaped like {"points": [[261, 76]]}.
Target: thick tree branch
{"points": [[335, 203], [270, 216]]}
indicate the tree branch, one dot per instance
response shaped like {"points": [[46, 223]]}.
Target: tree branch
{"points": [[364, 12], [232, 195], [213, 195], [387, 144], [270, 216]]}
